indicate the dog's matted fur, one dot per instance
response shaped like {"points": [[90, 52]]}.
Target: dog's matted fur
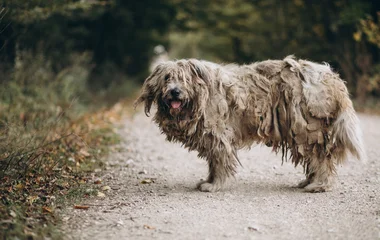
{"points": [[298, 107]]}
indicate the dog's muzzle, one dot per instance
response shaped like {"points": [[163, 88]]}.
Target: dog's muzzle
{"points": [[175, 102]]}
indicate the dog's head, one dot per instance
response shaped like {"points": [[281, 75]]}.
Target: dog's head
{"points": [[176, 87]]}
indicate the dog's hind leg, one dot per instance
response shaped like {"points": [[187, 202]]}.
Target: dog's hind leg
{"points": [[222, 164], [320, 175], [307, 181]]}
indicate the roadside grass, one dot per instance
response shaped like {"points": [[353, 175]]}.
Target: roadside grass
{"points": [[50, 142], [38, 179]]}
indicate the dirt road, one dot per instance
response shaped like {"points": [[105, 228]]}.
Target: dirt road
{"points": [[260, 203]]}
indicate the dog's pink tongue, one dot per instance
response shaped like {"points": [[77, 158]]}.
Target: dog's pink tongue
{"points": [[175, 104]]}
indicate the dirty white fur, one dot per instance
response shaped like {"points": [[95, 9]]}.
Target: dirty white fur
{"points": [[298, 107]]}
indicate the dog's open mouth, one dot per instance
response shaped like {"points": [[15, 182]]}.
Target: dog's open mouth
{"points": [[175, 104]]}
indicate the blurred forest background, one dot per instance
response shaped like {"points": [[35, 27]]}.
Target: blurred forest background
{"points": [[87, 46], [62, 61]]}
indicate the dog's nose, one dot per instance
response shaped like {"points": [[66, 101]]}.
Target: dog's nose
{"points": [[175, 92]]}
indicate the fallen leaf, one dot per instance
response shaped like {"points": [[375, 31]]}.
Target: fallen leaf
{"points": [[100, 194], [12, 213], [98, 181], [81, 207], [19, 186], [32, 199], [106, 188], [84, 153], [46, 210], [148, 227]]}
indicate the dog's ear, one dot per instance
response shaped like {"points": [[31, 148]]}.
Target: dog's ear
{"points": [[150, 89], [200, 71], [147, 97]]}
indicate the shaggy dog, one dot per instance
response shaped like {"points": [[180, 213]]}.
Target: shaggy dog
{"points": [[298, 107]]}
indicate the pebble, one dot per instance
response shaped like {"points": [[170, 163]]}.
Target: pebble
{"points": [[130, 162]]}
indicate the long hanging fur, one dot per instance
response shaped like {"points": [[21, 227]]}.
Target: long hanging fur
{"points": [[297, 107]]}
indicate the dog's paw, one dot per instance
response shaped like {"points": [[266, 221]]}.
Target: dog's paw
{"points": [[317, 187], [303, 183], [205, 186]]}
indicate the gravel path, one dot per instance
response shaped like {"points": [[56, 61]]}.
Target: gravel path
{"points": [[260, 202]]}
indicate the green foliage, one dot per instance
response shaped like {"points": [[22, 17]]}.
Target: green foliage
{"points": [[370, 29], [244, 31], [119, 32]]}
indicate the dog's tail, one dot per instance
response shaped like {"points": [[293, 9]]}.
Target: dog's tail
{"points": [[347, 135]]}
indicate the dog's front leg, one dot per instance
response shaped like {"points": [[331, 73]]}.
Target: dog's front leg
{"points": [[222, 164]]}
